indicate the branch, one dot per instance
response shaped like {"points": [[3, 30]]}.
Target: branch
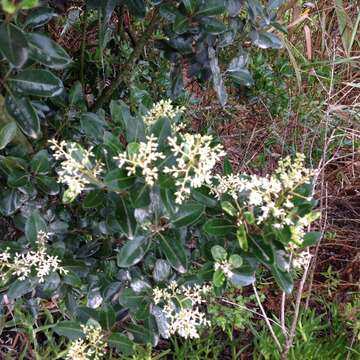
{"points": [[128, 67], [267, 320]]}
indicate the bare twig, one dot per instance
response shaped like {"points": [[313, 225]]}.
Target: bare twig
{"points": [[267, 320]]}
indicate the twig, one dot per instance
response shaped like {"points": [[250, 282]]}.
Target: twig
{"points": [[277, 342], [128, 67], [290, 338], [83, 45], [282, 314]]}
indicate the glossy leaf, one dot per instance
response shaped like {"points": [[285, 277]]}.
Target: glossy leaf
{"points": [[140, 195], [37, 82], [121, 343], [133, 251], [47, 52], [188, 214], [265, 40], [94, 199], [19, 288], [10, 202], [40, 163], [39, 17], [7, 134], [242, 237], [22, 111], [13, 45], [92, 125], [131, 299], [70, 329], [283, 279], [174, 250], [118, 179], [211, 7], [34, 224], [47, 185], [136, 7], [218, 227]]}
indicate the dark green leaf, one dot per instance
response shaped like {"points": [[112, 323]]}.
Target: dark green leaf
{"points": [[262, 251], [133, 126], [133, 251], [181, 24], [13, 45], [118, 179], [121, 343], [47, 52], [10, 201], [37, 82], [19, 288], [92, 125], [136, 7], [202, 195], [265, 40], [174, 250], [283, 279], [211, 7], [33, 225], [47, 185], [94, 199], [7, 134], [212, 25], [218, 227], [130, 299], [39, 17], [242, 77], [188, 214], [191, 5], [70, 329], [22, 111], [162, 130], [107, 317], [140, 195], [40, 163]]}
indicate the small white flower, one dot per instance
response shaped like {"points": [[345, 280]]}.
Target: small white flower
{"points": [[182, 318], [37, 262], [195, 159], [77, 170], [145, 158], [91, 348], [163, 108]]}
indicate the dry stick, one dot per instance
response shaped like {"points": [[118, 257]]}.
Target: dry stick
{"points": [[277, 342], [290, 338], [282, 314], [83, 45], [128, 67]]}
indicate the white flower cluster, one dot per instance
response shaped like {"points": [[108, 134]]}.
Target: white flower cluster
{"points": [[181, 308], [37, 263], [90, 348], [272, 195], [224, 266], [301, 260], [144, 157], [164, 108], [195, 159], [77, 170]]}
